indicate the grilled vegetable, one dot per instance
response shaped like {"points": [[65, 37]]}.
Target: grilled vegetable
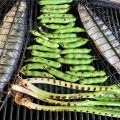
{"points": [[67, 40], [46, 43], [57, 35], [70, 30], [88, 81], [87, 74], [75, 51], [63, 103], [50, 15], [62, 75], [56, 6], [57, 20], [44, 61], [96, 110], [99, 95], [82, 68], [59, 26], [58, 11], [37, 74], [74, 85], [54, 2], [43, 48], [78, 56], [45, 55], [75, 44], [74, 61], [37, 34], [34, 66]]}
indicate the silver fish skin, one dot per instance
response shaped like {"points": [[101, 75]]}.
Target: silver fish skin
{"points": [[104, 46], [11, 41]]}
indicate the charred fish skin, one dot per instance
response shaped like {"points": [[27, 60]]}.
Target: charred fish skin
{"points": [[103, 42], [11, 41]]}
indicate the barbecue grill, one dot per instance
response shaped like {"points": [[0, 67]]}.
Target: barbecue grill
{"points": [[109, 12]]}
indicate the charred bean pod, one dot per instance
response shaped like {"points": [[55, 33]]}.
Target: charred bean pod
{"points": [[74, 61], [45, 54], [87, 74], [43, 48], [82, 68], [44, 61]]}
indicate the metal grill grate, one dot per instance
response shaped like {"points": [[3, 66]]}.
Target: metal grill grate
{"points": [[11, 111]]}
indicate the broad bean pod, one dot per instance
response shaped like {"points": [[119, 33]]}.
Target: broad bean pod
{"points": [[56, 6], [88, 81], [87, 74], [70, 30], [75, 44], [82, 68], [37, 74], [34, 66], [54, 2], [74, 51], [74, 61], [58, 11], [67, 40], [55, 15], [57, 35], [59, 26], [57, 20], [37, 34], [46, 43], [78, 56], [44, 61], [45, 54], [62, 75], [43, 48]]}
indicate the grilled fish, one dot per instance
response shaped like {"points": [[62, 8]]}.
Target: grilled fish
{"points": [[106, 43], [11, 40]]}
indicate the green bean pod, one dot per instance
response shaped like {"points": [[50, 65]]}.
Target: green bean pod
{"points": [[78, 56], [46, 43], [55, 15], [54, 2], [82, 68], [56, 6], [74, 51], [34, 66], [59, 26], [88, 81], [57, 35], [43, 48], [75, 44], [58, 11], [37, 74], [37, 34], [57, 20], [45, 54], [74, 61], [70, 30], [67, 40], [87, 74], [44, 61], [62, 75]]}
